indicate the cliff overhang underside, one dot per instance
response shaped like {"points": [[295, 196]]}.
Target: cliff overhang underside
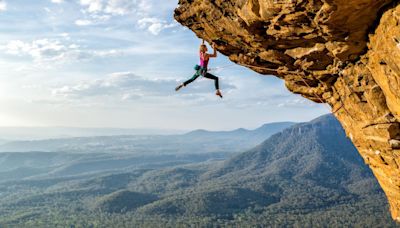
{"points": [[343, 53]]}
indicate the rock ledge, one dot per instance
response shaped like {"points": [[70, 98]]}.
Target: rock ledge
{"points": [[340, 52]]}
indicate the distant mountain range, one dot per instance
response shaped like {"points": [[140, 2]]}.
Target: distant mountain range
{"points": [[308, 169], [307, 175], [199, 141], [245, 136], [40, 133]]}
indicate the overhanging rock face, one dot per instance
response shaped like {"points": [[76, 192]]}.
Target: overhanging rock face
{"points": [[344, 53]]}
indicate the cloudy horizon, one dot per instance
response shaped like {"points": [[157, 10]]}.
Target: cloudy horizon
{"points": [[115, 63]]}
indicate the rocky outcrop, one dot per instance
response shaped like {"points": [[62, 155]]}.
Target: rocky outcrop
{"points": [[340, 52]]}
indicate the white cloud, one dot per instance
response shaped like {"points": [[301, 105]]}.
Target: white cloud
{"points": [[93, 19], [145, 6], [83, 22], [55, 51], [119, 7], [3, 5], [125, 85], [97, 11], [100, 18], [42, 49], [128, 86], [115, 7], [65, 35], [57, 1], [155, 25], [295, 102], [107, 53], [93, 5], [148, 17]]}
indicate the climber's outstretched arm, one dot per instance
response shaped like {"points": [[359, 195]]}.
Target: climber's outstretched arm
{"points": [[213, 55]]}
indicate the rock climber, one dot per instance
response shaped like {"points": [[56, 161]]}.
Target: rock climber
{"points": [[202, 69]]}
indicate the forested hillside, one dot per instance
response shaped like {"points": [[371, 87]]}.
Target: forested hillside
{"points": [[306, 175]]}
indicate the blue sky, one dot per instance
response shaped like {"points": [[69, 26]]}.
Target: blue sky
{"points": [[115, 63]]}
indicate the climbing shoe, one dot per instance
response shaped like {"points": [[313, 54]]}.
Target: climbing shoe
{"points": [[218, 93], [178, 87]]}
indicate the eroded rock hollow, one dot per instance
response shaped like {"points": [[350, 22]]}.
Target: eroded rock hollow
{"points": [[340, 52]]}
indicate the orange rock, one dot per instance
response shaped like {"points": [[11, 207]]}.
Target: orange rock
{"points": [[344, 53]]}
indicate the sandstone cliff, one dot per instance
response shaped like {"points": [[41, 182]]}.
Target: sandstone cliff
{"points": [[340, 52]]}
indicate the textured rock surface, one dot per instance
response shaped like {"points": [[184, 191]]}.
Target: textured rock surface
{"points": [[344, 53]]}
